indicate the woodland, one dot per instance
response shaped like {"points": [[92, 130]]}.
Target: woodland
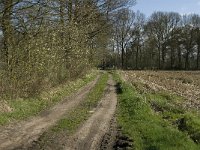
{"points": [[44, 43]]}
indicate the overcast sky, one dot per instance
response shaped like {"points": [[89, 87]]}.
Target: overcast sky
{"points": [[181, 6]]}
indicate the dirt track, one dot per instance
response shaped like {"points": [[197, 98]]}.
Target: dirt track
{"points": [[24, 132], [90, 135]]}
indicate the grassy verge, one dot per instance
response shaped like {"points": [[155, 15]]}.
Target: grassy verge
{"points": [[24, 108], [56, 136], [169, 107], [146, 126]]}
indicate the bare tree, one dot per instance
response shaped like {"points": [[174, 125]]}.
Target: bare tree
{"points": [[125, 19], [138, 37]]}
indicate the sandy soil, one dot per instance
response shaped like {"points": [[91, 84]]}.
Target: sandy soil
{"points": [[23, 133], [91, 134], [4, 107]]}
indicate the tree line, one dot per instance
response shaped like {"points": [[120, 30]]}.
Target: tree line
{"points": [[46, 42], [165, 40]]}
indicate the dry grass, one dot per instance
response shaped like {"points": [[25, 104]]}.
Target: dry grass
{"points": [[182, 83], [4, 107]]}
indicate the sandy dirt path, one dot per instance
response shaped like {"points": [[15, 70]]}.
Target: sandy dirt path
{"points": [[90, 135], [24, 132]]}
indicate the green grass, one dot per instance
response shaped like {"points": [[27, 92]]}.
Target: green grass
{"points": [[173, 112], [145, 126], [77, 116], [57, 135], [24, 108]]}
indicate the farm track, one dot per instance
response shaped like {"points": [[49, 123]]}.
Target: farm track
{"points": [[92, 133], [25, 132]]}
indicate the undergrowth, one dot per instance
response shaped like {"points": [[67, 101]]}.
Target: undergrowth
{"points": [[24, 108]]}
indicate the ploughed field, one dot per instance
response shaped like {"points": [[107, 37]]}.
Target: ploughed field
{"points": [[183, 83], [160, 109]]}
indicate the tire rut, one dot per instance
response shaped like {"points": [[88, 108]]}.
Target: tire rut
{"points": [[25, 132], [91, 134]]}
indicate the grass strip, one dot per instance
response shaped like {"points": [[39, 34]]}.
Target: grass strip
{"points": [[56, 136], [82, 112], [145, 127], [24, 108]]}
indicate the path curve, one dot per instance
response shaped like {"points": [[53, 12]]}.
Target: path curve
{"points": [[25, 132]]}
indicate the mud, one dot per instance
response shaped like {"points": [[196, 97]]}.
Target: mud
{"points": [[23, 133], [91, 134]]}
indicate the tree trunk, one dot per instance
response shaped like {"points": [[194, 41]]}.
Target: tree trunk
{"points": [[122, 57], [136, 60], [198, 56], [187, 60], [159, 51], [172, 58], [140, 60], [75, 9], [118, 54], [163, 56], [62, 8], [179, 58], [7, 29], [70, 10]]}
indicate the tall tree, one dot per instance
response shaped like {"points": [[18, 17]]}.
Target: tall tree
{"points": [[124, 22], [7, 29], [138, 37]]}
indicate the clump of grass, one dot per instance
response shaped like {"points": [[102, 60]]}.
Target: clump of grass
{"points": [[185, 80], [146, 127], [190, 124], [73, 119], [166, 102], [24, 108], [171, 110]]}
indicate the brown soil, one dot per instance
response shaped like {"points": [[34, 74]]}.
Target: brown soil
{"points": [[4, 107], [92, 134], [25, 132], [110, 138]]}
